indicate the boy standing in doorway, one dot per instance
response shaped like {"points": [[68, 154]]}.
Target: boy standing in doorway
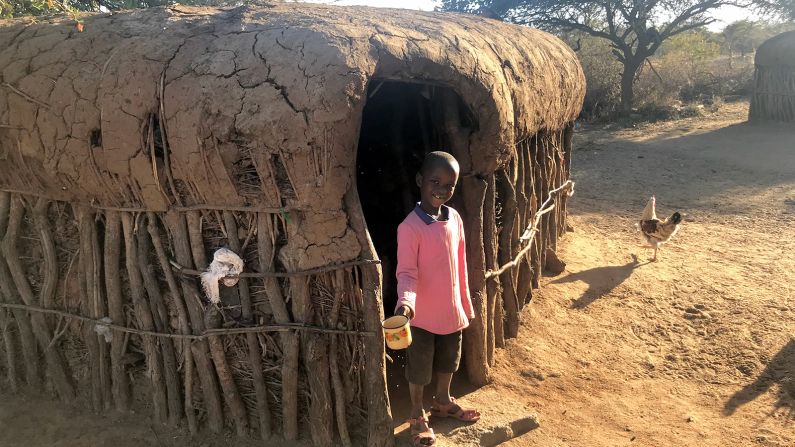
{"points": [[433, 292]]}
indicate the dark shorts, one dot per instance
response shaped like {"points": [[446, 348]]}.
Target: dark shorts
{"points": [[429, 353]]}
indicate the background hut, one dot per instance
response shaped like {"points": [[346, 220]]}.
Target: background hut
{"points": [[130, 151], [773, 98]]}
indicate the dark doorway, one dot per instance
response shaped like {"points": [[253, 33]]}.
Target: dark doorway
{"points": [[401, 122], [397, 131]]}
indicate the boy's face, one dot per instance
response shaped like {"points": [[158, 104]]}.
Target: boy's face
{"points": [[437, 185]]}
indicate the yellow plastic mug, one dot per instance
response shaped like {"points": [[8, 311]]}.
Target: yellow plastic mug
{"points": [[397, 332]]}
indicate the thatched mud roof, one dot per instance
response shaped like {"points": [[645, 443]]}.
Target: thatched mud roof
{"points": [[777, 51], [253, 106]]}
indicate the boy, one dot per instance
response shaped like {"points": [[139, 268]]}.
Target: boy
{"points": [[433, 292]]}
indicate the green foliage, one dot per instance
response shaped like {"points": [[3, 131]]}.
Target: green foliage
{"points": [[602, 74], [783, 9], [695, 46], [19, 8]]}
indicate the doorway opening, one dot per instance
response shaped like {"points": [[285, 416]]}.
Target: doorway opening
{"points": [[401, 122]]}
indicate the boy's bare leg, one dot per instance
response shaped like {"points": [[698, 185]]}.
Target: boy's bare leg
{"points": [[416, 400], [443, 387]]}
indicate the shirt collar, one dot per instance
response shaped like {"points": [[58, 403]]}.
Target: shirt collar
{"points": [[427, 218]]}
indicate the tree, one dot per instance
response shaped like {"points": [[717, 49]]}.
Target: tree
{"points": [[784, 9], [634, 28]]}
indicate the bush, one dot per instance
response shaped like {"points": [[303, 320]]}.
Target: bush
{"points": [[688, 68]]}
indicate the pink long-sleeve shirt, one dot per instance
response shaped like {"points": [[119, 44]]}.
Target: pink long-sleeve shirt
{"points": [[432, 272]]}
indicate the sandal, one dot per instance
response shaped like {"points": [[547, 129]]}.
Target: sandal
{"points": [[421, 434], [455, 411]]}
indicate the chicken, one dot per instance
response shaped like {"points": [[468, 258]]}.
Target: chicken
{"points": [[656, 232]]}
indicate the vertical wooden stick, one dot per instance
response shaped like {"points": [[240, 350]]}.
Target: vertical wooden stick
{"points": [[56, 367], [339, 390], [112, 246], [315, 356], [506, 254], [490, 253], [98, 311], [6, 319], [200, 349], [144, 314], [473, 190], [161, 320], [266, 234], [182, 318], [379, 413], [230, 392], [254, 355], [85, 218], [27, 340], [10, 348]]}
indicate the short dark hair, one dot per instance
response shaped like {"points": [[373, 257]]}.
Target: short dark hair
{"points": [[439, 158]]}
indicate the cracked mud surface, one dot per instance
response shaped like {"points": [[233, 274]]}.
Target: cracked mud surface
{"points": [[257, 106]]}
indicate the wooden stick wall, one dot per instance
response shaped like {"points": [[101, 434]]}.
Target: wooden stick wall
{"points": [[498, 209], [115, 266]]}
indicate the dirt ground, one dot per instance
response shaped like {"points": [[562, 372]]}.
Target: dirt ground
{"points": [[697, 349]]}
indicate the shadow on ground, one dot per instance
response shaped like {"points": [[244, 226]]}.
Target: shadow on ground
{"points": [[780, 370], [601, 280], [687, 172]]}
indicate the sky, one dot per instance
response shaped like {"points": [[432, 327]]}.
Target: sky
{"points": [[725, 15]]}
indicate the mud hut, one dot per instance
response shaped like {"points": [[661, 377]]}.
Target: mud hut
{"points": [[131, 150], [773, 97]]}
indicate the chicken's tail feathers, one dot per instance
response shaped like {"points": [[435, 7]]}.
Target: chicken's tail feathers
{"points": [[649, 212]]}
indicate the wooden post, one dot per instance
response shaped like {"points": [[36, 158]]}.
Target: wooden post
{"points": [[154, 363], [379, 414], [230, 392], [200, 349], [254, 354], [490, 254], [111, 257], [473, 190], [266, 234], [56, 367], [315, 357], [98, 311], [182, 318], [508, 235], [26, 337], [85, 219], [6, 319], [161, 321], [339, 390]]}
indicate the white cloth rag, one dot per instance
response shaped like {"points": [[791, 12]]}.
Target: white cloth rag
{"points": [[226, 267], [104, 330]]}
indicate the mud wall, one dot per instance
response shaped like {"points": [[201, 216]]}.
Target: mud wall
{"points": [[132, 150]]}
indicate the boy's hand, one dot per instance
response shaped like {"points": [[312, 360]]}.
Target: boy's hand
{"points": [[405, 311]]}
